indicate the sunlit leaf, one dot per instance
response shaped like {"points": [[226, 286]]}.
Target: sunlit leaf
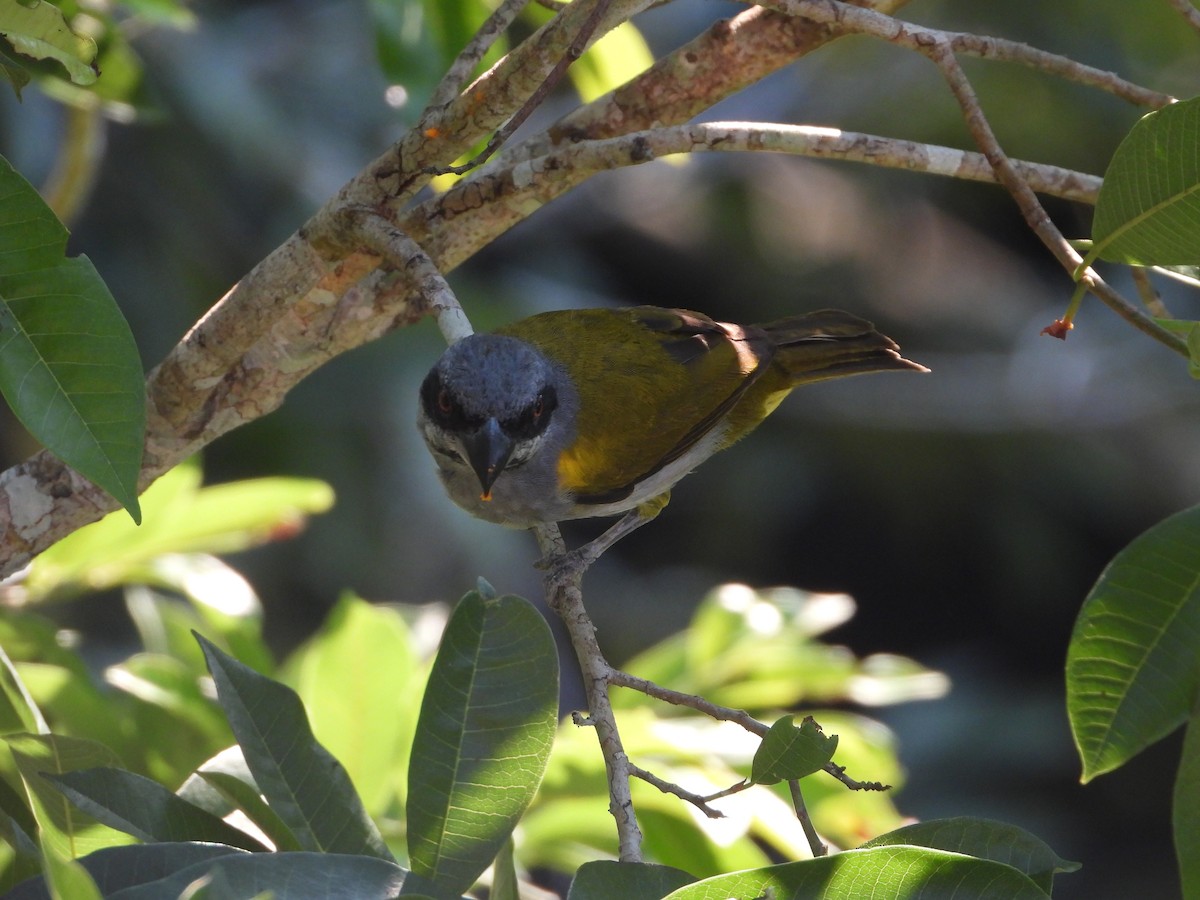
{"points": [[38, 31], [984, 839], [69, 367], [68, 830], [604, 879], [884, 873], [1148, 210], [66, 878], [145, 809], [181, 517], [1131, 664], [486, 727]]}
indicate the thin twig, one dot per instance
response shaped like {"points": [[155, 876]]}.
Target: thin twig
{"points": [[566, 598], [1031, 208], [533, 101], [849, 19], [464, 64], [668, 787], [818, 846], [1190, 14]]}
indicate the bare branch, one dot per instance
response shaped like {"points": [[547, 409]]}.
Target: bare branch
{"points": [[818, 847], [464, 64], [845, 18], [498, 198], [578, 44], [1190, 14], [668, 787], [566, 598]]}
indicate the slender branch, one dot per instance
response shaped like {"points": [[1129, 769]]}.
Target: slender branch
{"points": [[849, 19], [1031, 208], [499, 198], [566, 598], [668, 787], [1190, 14], [464, 64], [578, 44], [818, 847]]}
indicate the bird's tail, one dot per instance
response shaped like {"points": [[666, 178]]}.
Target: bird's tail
{"points": [[830, 343]]}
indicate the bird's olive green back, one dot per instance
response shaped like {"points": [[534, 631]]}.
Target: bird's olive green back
{"points": [[651, 383]]}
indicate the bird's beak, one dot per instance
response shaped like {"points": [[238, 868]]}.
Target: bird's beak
{"points": [[488, 450]]}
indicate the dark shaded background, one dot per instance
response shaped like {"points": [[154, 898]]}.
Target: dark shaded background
{"points": [[968, 511]]}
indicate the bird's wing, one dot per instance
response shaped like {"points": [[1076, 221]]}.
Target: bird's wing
{"points": [[652, 382]]}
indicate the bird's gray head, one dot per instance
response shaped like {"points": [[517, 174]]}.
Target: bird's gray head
{"points": [[487, 404]]}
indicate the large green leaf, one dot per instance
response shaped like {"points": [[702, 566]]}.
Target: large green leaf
{"points": [[358, 680], [282, 876], [1186, 811], [304, 784], [1148, 211], [1131, 664], [605, 878], [485, 732], [38, 31], [117, 868], [882, 873], [224, 784], [145, 809], [69, 367], [984, 839], [182, 517], [67, 879], [61, 825]]}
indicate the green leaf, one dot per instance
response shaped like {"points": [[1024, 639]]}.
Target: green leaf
{"points": [[789, 752], [1190, 331], [1148, 210], [485, 732], [1131, 664], [145, 809], [38, 30], [15, 73], [287, 876], [69, 367], [983, 839], [882, 873], [181, 518], [504, 875], [605, 878], [66, 878], [62, 826], [117, 868], [224, 784], [18, 712], [357, 678], [304, 784], [1186, 811]]}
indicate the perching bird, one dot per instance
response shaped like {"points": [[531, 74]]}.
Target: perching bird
{"points": [[597, 412]]}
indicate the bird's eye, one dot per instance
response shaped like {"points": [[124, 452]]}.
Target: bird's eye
{"points": [[444, 403], [539, 407]]}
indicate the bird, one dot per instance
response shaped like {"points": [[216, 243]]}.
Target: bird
{"points": [[582, 413]]}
